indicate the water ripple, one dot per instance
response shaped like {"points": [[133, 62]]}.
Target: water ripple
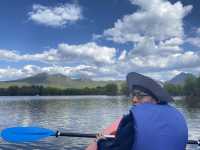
{"points": [[74, 114]]}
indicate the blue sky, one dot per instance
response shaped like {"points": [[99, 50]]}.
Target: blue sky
{"points": [[99, 39]]}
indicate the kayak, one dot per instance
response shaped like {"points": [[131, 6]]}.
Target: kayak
{"points": [[109, 130]]}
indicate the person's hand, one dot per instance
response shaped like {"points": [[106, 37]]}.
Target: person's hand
{"points": [[100, 136]]}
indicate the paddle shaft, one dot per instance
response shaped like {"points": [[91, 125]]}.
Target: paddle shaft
{"points": [[196, 142], [77, 135], [84, 135]]}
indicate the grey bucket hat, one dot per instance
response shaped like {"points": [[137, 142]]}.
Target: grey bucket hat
{"points": [[136, 80]]}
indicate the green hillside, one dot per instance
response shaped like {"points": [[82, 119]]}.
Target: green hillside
{"points": [[57, 81]]}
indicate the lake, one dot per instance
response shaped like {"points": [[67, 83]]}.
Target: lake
{"points": [[84, 114]]}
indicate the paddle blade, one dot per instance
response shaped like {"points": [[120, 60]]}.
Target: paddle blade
{"points": [[25, 134]]}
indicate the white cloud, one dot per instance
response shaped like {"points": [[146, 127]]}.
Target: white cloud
{"points": [[172, 42], [45, 56], [194, 41], [88, 53], [48, 56], [30, 70], [55, 16], [156, 62], [8, 55], [198, 31], [156, 66], [155, 31], [148, 47], [187, 59], [167, 75], [10, 73], [101, 63], [159, 67], [157, 19]]}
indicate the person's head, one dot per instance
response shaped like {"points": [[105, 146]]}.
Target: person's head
{"points": [[141, 96], [154, 90]]}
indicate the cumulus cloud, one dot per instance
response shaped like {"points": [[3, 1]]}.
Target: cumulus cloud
{"points": [[115, 71], [155, 30], [55, 16], [158, 19], [184, 61], [10, 73], [194, 41], [8, 55], [158, 67], [88, 53], [45, 56], [148, 47]]}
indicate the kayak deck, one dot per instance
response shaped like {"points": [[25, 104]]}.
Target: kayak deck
{"points": [[110, 130]]}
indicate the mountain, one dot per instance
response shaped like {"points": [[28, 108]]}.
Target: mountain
{"points": [[56, 80], [180, 78]]}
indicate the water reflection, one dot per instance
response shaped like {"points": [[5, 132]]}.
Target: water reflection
{"points": [[190, 107], [78, 114]]}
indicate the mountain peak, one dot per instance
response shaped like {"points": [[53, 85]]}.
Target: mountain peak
{"points": [[180, 78]]}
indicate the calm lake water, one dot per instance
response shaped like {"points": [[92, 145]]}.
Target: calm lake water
{"points": [[84, 114]]}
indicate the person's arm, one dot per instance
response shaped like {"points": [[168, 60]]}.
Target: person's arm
{"points": [[124, 136]]}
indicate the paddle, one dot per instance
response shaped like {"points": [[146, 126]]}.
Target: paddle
{"points": [[31, 134]]}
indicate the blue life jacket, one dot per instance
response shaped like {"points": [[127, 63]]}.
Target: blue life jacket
{"points": [[158, 127]]}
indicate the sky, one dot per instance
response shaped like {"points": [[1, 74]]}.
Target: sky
{"points": [[101, 39]]}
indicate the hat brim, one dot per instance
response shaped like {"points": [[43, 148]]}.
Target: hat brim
{"points": [[137, 80]]}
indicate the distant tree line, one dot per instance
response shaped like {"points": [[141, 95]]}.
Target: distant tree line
{"points": [[109, 89], [190, 88]]}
